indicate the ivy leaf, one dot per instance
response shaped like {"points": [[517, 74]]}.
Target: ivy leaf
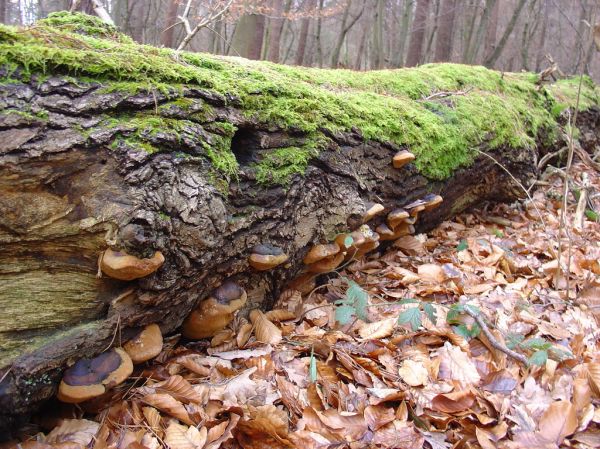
{"points": [[453, 315], [466, 331], [538, 344], [411, 316], [313, 366], [538, 358], [344, 313], [462, 245], [430, 312]]}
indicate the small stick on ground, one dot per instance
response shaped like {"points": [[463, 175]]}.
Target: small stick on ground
{"points": [[493, 341]]}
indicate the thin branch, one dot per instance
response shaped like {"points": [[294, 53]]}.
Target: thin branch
{"points": [[493, 341]]}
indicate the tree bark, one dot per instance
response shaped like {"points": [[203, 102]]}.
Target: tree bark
{"points": [[417, 34], [344, 29], [378, 35], [275, 28], [3, 11], [398, 57], [491, 33], [443, 45]]}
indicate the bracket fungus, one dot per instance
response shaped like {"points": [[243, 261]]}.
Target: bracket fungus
{"points": [[216, 312], [396, 217], [125, 267], [401, 158], [432, 201], [373, 209], [265, 257], [323, 258], [146, 345], [90, 378]]}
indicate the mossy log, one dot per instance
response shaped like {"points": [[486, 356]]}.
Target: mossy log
{"points": [[104, 143]]}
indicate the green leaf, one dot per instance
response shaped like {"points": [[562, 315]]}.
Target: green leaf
{"points": [[313, 366], [430, 312], [344, 313], [538, 344], [592, 215], [538, 358], [408, 301], [453, 315], [560, 355], [411, 316], [498, 233], [514, 340], [359, 298], [462, 245], [467, 331]]}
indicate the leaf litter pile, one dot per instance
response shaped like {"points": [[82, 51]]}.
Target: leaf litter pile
{"points": [[481, 334]]}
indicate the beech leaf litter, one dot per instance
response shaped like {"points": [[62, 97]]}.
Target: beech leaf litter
{"points": [[482, 333]]}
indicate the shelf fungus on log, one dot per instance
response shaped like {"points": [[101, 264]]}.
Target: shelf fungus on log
{"points": [[264, 257], [216, 312], [89, 378], [373, 209], [401, 158], [125, 267], [146, 345], [323, 258]]}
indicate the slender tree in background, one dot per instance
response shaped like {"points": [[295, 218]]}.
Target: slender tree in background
{"points": [[492, 29], [275, 28], [168, 34], [3, 11], [491, 60], [347, 23], [305, 24], [443, 45], [398, 57], [378, 34], [417, 33], [248, 37]]}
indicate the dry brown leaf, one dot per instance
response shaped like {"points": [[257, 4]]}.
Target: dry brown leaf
{"points": [[179, 388], [413, 373], [168, 404], [153, 419], [264, 330], [593, 371], [398, 434], [221, 337], [559, 421], [456, 365], [79, 431], [378, 416], [377, 329], [243, 334], [454, 402], [280, 315], [178, 436], [430, 272]]}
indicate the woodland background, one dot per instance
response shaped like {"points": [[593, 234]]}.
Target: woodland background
{"points": [[508, 35]]}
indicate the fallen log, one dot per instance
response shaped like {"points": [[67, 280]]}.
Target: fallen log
{"points": [[108, 144]]}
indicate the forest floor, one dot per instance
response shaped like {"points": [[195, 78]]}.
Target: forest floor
{"points": [[470, 336]]}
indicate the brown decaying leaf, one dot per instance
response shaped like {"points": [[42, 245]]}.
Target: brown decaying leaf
{"points": [[377, 329], [413, 373], [153, 420], [454, 402], [78, 431], [168, 404], [178, 436], [280, 315], [559, 421], [177, 387], [264, 330], [378, 416]]}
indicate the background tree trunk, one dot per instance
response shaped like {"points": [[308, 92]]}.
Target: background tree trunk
{"points": [[302, 40], [445, 37], [275, 28], [248, 36], [491, 60], [417, 34], [168, 33]]}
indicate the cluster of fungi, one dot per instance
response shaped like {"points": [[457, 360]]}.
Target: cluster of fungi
{"points": [[89, 378]]}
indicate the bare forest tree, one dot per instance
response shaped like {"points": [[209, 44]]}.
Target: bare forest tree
{"points": [[359, 34]]}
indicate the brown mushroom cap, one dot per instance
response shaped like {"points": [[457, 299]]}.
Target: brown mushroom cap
{"points": [[385, 233], [265, 257], [123, 266], [89, 378], [328, 264], [319, 252], [216, 312], [432, 200], [146, 345], [396, 217], [373, 209], [401, 158]]}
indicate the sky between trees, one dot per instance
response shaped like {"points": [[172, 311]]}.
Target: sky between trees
{"points": [[509, 35]]}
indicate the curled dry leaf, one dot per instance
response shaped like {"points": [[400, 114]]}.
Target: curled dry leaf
{"points": [[456, 365], [430, 272], [280, 315], [264, 330], [378, 329], [183, 437], [413, 373], [191, 363], [378, 416], [168, 404], [221, 337], [79, 431], [593, 372], [559, 421], [243, 334], [177, 387], [267, 427]]}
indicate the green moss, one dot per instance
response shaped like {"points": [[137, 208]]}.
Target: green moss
{"points": [[441, 112], [83, 24]]}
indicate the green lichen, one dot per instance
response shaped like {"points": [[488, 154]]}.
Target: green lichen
{"points": [[441, 112]]}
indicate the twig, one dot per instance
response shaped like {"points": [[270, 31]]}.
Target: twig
{"points": [[493, 341], [446, 94], [582, 202], [544, 160]]}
